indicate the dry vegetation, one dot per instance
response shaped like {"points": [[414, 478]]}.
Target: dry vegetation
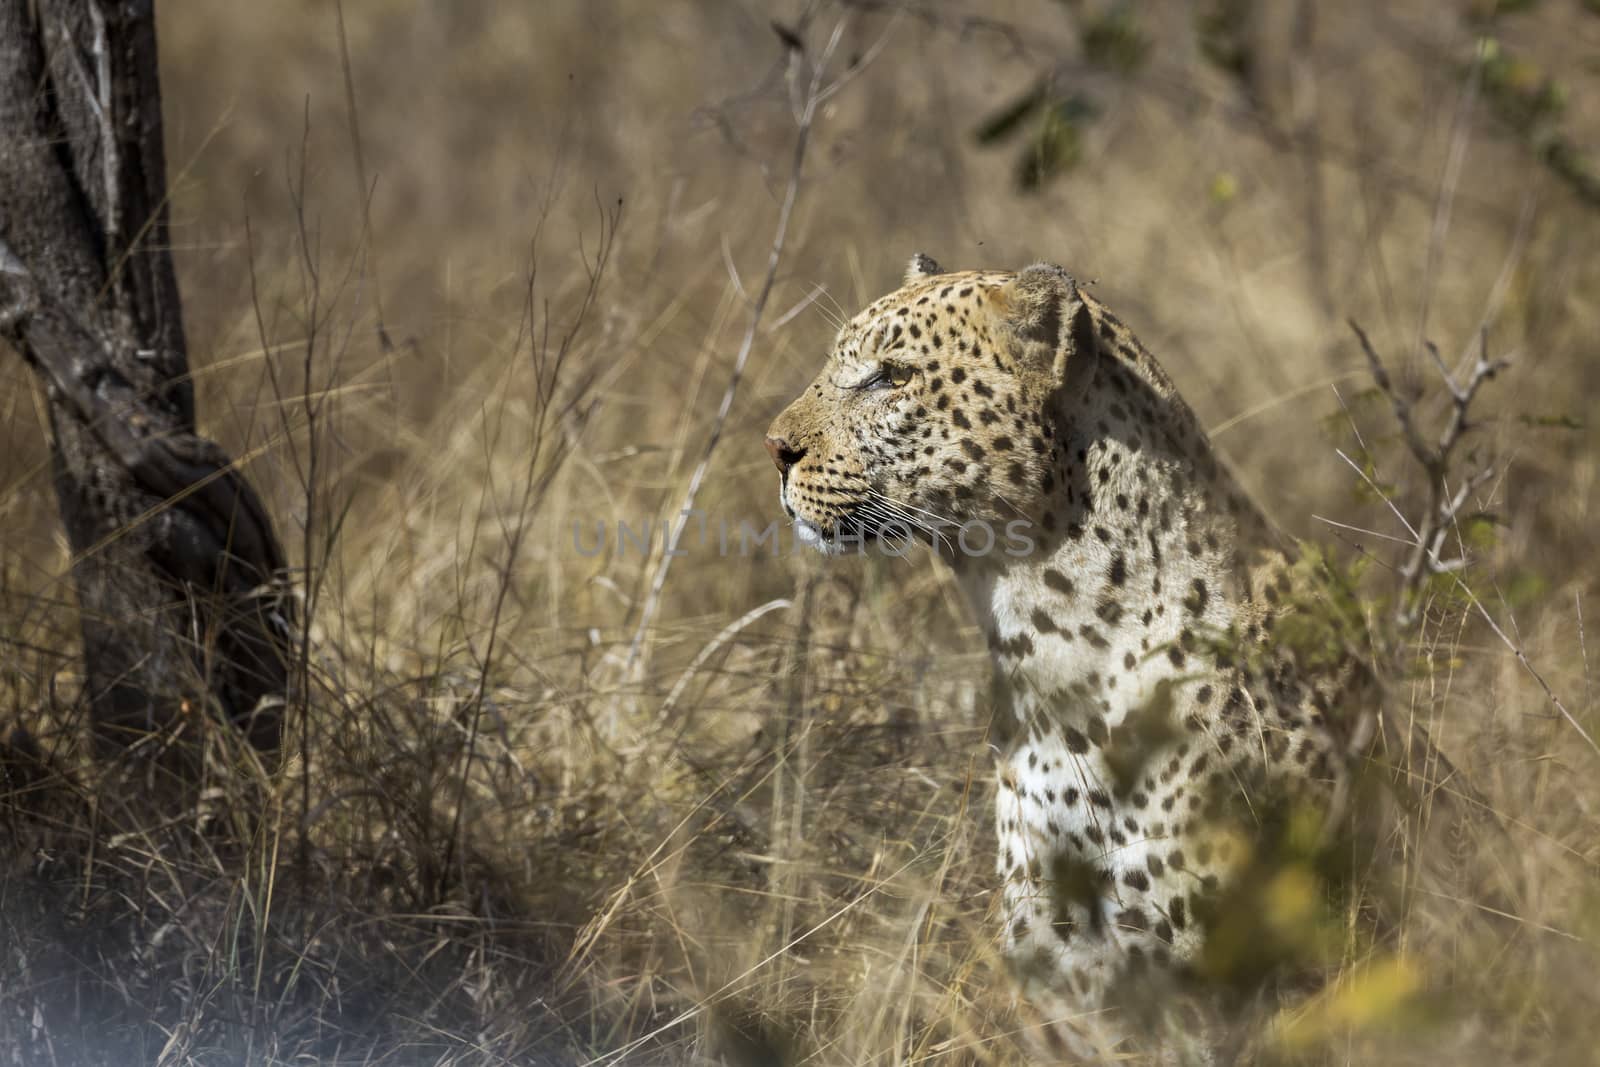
{"points": [[530, 815]]}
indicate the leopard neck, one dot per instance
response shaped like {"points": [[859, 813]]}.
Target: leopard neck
{"points": [[1145, 546]]}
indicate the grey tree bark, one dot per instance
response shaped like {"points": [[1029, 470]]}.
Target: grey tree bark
{"points": [[178, 572]]}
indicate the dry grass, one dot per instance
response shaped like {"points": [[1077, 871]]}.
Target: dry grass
{"points": [[504, 837]]}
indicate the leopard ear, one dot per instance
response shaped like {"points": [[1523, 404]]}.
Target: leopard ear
{"points": [[921, 266], [1046, 314]]}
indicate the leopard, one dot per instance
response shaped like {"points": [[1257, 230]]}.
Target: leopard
{"points": [[1148, 729]]}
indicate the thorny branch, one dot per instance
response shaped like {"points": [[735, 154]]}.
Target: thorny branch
{"points": [[1443, 511]]}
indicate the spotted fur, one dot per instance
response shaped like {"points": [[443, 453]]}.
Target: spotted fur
{"points": [[1144, 716]]}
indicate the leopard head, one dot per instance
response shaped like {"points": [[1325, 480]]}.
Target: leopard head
{"points": [[936, 408]]}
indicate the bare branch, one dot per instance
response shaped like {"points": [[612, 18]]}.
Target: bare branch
{"points": [[1443, 508], [1400, 406], [1442, 512], [807, 116]]}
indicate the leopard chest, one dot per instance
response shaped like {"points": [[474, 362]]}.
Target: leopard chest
{"points": [[1105, 699]]}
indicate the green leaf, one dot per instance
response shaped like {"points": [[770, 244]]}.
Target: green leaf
{"points": [[1008, 118], [1552, 422], [1057, 145], [1517, 89], [1112, 40], [1525, 589], [1481, 532], [1223, 28], [1489, 10]]}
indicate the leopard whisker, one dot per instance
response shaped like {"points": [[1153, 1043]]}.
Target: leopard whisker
{"points": [[890, 516], [903, 505], [900, 512], [837, 314]]}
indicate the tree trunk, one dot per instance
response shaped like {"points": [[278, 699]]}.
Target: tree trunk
{"points": [[178, 572]]}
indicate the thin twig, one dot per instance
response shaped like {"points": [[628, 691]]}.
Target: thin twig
{"points": [[1583, 647], [807, 117], [723, 637], [363, 189], [1522, 658], [548, 376]]}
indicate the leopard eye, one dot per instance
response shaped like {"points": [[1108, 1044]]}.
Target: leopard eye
{"points": [[887, 376]]}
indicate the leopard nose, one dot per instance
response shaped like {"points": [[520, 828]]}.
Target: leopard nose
{"points": [[783, 453]]}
